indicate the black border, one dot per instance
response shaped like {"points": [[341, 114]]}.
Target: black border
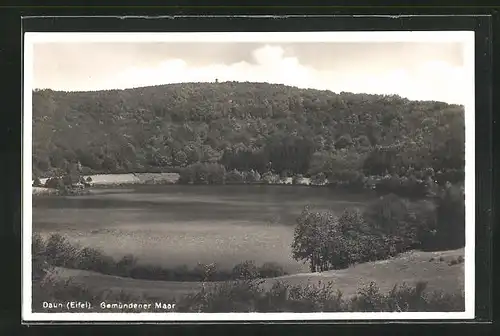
{"points": [[481, 24]]}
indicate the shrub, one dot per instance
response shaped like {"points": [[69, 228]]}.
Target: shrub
{"points": [[229, 296], [94, 260], [271, 270], [235, 176], [391, 217], [318, 179], [270, 178], [252, 176], [54, 183], [203, 173], [250, 296], [59, 252], [245, 271], [126, 264], [347, 179], [40, 266]]}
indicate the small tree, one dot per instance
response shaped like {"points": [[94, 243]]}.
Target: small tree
{"points": [[311, 238], [391, 217], [245, 271]]}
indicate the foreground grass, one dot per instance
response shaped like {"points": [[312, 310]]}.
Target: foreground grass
{"points": [[375, 286], [437, 269], [250, 296]]}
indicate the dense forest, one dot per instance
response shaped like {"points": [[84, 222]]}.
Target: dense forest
{"points": [[245, 127]]}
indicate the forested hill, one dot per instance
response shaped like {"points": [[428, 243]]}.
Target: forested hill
{"points": [[244, 126]]}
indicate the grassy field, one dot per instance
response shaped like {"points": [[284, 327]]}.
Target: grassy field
{"points": [[187, 225], [431, 267]]}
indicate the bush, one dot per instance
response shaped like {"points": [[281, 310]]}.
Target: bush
{"points": [[319, 179], [270, 178], [347, 179], [252, 176], [57, 251], [391, 217], [230, 296], [40, 266], [250, 296], [271, 270], [54, 183], [126, 264], [203, 173], [245, 271], [235, 176]]}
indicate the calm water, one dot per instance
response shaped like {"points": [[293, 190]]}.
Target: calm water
{"points": [[173, 225]]}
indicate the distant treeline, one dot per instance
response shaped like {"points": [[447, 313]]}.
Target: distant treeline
{"points": [[268, 129], [423, 184]]}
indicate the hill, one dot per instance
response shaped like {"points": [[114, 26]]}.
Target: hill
{"points": [[410, 267], [244, 126]]}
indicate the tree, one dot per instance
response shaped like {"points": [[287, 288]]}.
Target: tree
{"points": [[311, 238], [391, 218], [246, 126], [450, 212]]}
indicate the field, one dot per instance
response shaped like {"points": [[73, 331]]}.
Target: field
{"points": [[407, 268], [177, 225], [174, 225]]}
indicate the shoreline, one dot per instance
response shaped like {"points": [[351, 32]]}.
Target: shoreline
{"points": [[113, 180]]}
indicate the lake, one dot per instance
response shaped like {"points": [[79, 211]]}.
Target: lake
{"points": [[171, 225]]}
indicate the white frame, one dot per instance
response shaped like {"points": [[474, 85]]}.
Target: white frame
{"points": [[465, 37]]}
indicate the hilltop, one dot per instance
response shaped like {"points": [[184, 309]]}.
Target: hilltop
{"points": [[243, 126]]}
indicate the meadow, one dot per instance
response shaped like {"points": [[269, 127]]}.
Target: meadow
{"points": [[185, 225]]}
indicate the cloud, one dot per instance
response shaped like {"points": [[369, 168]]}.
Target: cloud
{"points": [[425, 80]]}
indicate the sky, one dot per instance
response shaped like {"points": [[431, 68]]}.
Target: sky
{"points": [[414, 70]]}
